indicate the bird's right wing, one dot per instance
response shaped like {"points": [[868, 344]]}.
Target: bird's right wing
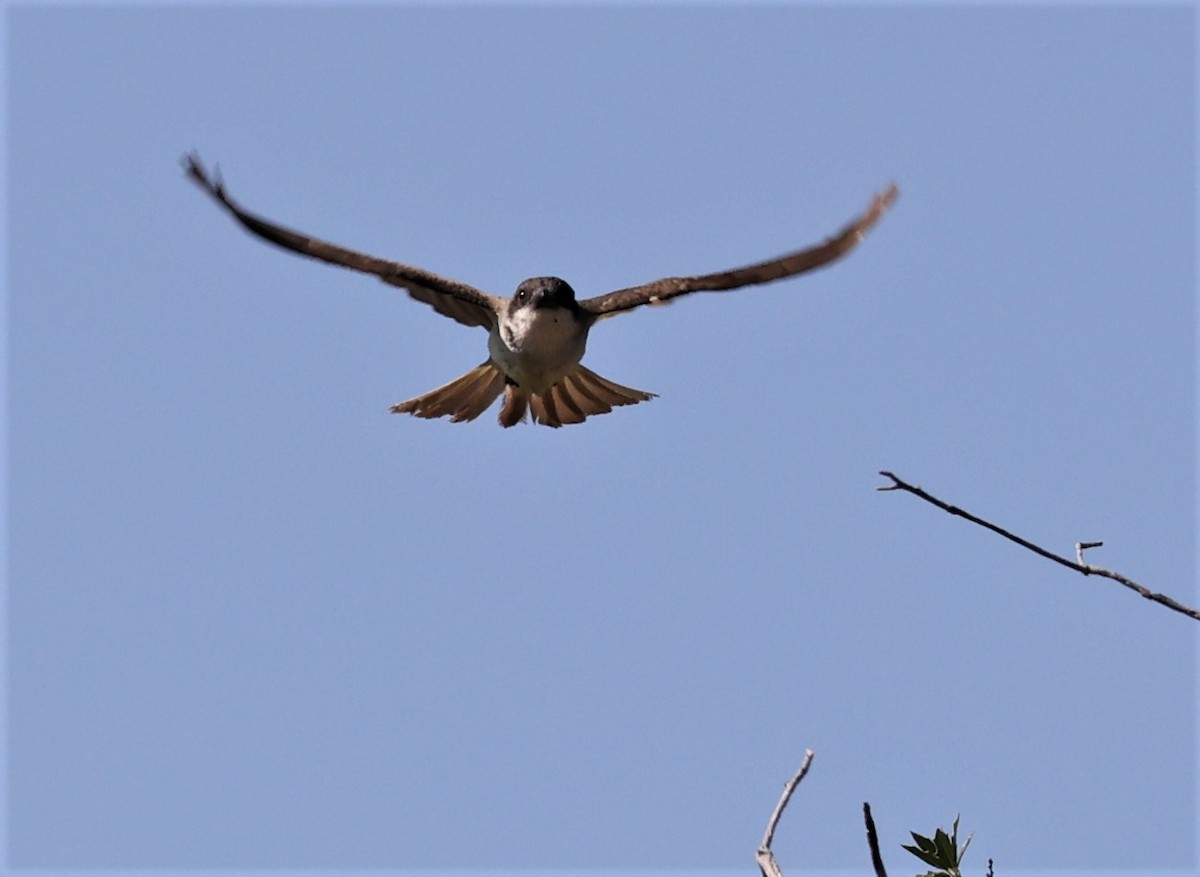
{"points": [[451, 298], [662, 291]]}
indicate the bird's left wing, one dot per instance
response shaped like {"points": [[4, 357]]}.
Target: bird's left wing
{"points": [[451, 298], [661, 291]]}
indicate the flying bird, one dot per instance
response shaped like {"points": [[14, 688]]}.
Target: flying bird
{"points": [[536, 338]]}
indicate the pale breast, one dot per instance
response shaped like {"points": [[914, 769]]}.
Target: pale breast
{"points": [[536, 347]]}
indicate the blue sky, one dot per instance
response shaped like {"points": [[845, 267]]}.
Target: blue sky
{"points": [[256, 621]]}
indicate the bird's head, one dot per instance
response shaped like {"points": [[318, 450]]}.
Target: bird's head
{"points": [[544, 292]]}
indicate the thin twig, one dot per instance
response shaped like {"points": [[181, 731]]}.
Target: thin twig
{"points": [[766, 859], [1081, 547], [1080, 567], [873, 842]]}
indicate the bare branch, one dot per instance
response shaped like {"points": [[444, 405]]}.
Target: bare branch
{"points": [[1080, 566], [766, 859], [873, 842]]}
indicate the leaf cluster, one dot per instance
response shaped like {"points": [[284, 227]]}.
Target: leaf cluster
{"points": [[941, 851]]}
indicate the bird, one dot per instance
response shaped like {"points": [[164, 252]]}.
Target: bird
{"points": [[537, 336]]}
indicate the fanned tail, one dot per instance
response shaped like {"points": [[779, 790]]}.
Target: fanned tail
{"points": [[580, 394], [462, 399]]}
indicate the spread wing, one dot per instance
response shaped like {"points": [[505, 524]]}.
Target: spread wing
{"points": [[466, 304], [661, 291]]}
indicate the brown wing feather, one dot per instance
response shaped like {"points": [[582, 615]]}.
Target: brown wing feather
{"points": [[451, 298], [660, 291]]}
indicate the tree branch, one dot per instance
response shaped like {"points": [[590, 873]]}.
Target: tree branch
{"points": [[1079, 566], [766, 859], [873, 842]]}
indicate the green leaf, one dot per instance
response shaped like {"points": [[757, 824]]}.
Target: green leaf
{"points": [[947, 853], [924, 843], [963, 851], [928, 857]]}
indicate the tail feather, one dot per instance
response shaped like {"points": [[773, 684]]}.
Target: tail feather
{"points": [[464, 398], [579, 395], [570, 407], [609, 391], [585, 396], [555, 408], [516, 401]]}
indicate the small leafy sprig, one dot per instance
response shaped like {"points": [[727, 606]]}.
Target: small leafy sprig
{"points": [[941, 851]]}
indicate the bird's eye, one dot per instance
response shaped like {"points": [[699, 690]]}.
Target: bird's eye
{"points": [[522, 295]]}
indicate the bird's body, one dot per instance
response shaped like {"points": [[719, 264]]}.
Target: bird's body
{"points": [[537, 345], [536, 338]]}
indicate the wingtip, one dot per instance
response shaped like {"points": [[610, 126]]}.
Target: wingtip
{"points": [[885, 199], [879, 205], [195, 169]]}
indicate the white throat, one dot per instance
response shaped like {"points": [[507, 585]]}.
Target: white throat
{"points": [[536, 347]]}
